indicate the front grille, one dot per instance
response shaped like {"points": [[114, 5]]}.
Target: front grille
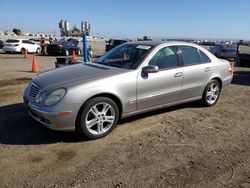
{"points": [[34, 91]]}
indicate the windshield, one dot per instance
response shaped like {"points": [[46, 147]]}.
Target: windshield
{"points": [[125, 56]]}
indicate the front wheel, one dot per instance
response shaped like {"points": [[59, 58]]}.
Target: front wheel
{"points": [[211, 93], [22, 51], [98, 118]]}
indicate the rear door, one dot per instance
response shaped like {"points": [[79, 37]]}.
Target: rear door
{"points": [[29, 45], [197, 69], [163, 87]]}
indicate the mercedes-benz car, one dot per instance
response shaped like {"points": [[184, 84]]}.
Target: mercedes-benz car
{"points": [[130, 79]]}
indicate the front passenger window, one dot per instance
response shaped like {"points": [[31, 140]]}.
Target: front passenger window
{"points": [[165, 58]]}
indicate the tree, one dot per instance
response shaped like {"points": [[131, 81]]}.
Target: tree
{"points": [[17, 31]]}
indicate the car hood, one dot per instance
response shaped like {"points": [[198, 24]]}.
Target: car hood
{"points": [[80, 72]]}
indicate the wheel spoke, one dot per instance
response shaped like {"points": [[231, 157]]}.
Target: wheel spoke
{"points": [[209, 93], [91, 123], [109, 119], [215, 89], [94, 111], [105, 109], [215, 96], [211, 87], [100, 128]]}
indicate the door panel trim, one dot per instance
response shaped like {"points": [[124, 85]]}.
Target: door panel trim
{"points": [[155, 96], [144, 110]]}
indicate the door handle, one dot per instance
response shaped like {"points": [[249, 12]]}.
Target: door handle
{"points": [[207, 69], [178, 74]]}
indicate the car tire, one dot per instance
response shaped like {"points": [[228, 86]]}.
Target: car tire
{"points": [[67, 52], [98, 118], [22, 51], [211, 93], [38, 50]]}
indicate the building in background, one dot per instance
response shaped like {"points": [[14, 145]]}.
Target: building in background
{"points": [[74, 32]]}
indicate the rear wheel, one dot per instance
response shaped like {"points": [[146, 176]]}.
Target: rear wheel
{"points": [[98, 118], [38, 50], [211, 93], [23, 50]]}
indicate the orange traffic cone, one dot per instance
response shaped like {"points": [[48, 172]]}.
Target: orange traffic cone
{"points": [[34, 65], [26, 54], [73, 56]]}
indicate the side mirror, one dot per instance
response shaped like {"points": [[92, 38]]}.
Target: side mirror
{"points": [[150, 69]]}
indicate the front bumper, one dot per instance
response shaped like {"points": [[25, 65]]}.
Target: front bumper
{"points": [[60, 120]]}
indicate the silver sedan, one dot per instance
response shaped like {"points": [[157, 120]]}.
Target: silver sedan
{"points": [[130, 79]]}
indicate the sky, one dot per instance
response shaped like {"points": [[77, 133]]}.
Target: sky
{"points": [[227, 19]]}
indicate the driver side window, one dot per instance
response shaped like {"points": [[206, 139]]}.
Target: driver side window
{"points": [[165, 58]]}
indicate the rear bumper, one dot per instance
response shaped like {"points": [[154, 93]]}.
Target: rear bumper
{"points": [[227, 82], [9, 49], [55, 51]]}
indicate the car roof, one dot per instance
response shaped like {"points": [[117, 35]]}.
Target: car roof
{"points": [[157, 43], [113, 39], [227, 45], [18, 39]]}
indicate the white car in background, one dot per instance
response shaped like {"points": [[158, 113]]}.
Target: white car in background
{"points": [[20, 45]]}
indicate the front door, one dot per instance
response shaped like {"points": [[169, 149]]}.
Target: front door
{"points": [[163, 87]]}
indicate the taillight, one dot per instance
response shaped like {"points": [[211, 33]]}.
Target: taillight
{"points": [[231, 69]]}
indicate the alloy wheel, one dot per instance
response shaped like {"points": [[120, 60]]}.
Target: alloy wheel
{"points": [[100, 118], [212, 93]]}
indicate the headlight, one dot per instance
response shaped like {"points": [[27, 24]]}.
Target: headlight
{"points": [[55, 97]]}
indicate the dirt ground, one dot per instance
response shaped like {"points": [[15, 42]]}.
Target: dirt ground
{"points": [[182, 146]]}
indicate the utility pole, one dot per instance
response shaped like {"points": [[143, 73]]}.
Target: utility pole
{"points": [[85, 50]]}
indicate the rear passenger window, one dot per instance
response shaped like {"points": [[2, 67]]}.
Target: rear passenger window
{"points": [[190, 55], [165, 58], [204, 58], [27, 42]]}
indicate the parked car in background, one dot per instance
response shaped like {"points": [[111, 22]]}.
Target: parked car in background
{"points": [[226, 51], [63, 47], [2, 43], [37, 40], [113, 43], [20, 45], [130, 79]]}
